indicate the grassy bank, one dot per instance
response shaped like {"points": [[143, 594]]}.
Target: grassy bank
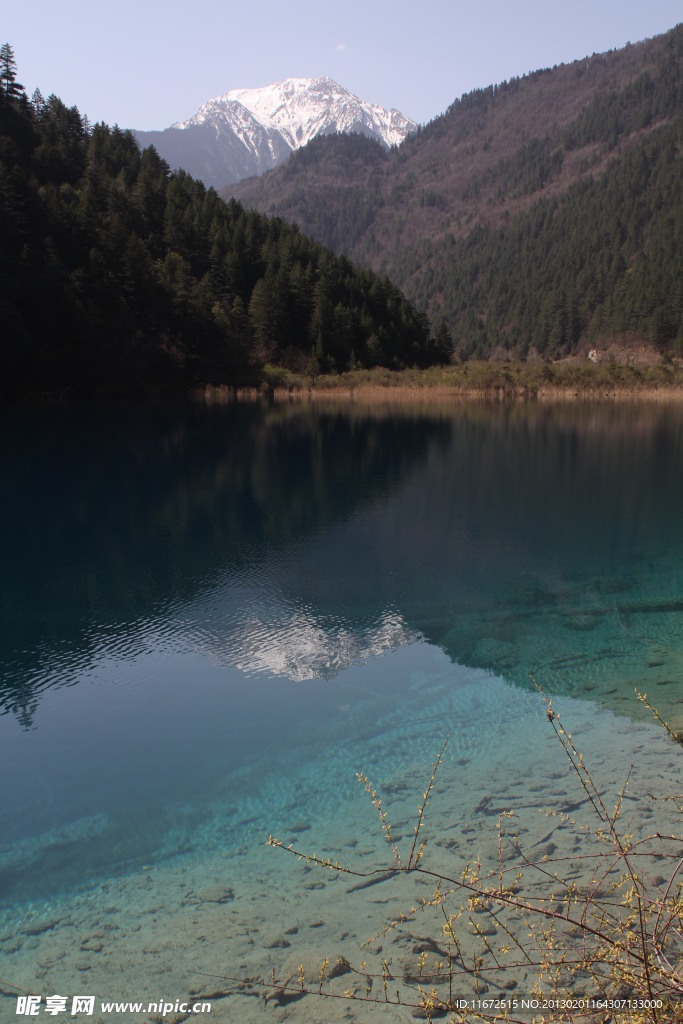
{"points": [[566, 379]]}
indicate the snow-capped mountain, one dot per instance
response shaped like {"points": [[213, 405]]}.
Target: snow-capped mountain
{"points": [[249, 131]]}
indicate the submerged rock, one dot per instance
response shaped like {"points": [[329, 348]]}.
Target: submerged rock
{"points": [[216, 894]]}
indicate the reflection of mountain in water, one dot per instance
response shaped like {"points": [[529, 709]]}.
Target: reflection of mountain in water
{"points": [[260, 633], [295, 542]]}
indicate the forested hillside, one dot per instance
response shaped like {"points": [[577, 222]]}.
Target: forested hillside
{"points": [[545, 212], [116, 274]]}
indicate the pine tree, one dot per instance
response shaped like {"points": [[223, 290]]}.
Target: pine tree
{"points": [[443, 344], [38, 101], [8, 73]]}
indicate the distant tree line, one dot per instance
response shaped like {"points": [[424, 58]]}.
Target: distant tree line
{"points": [[114, 272]]}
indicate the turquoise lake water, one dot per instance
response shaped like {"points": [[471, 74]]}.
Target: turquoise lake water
{"points": [[213, 617]]}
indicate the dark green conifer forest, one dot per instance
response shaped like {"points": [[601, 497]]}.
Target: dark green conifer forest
{"points": [[604, 260], [117, 274]]}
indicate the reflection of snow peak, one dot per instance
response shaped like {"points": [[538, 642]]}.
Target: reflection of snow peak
{"points": [[301, 645]]}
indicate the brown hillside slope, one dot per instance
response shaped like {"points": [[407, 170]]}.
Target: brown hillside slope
{"points": [[451, 155]]}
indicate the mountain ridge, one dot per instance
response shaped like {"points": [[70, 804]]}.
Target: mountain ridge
{"points": [[245, 132]]}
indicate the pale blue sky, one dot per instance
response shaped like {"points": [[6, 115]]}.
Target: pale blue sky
{"points": [[147, 63]]}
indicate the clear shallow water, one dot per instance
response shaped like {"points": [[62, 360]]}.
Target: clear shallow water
{"points": [[211, 619]]}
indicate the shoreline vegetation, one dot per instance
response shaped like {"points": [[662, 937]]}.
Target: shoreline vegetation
{"points": [[565, 380]]}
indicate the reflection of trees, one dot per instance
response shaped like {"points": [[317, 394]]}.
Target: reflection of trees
{"points": [[512, 536], [113, 514], [549, 538]]}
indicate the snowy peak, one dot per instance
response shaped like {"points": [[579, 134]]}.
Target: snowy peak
{"points": [[301, 108], [249, 131]]}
